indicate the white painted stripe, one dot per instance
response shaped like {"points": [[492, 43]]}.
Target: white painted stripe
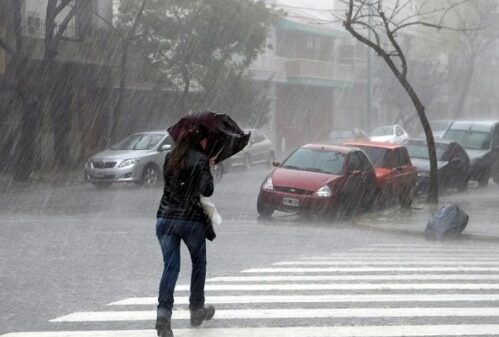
{"points": [[371, 269], [319, 299], [115, 316], [327, 331], [376, 277], [434, 245], [424, 249], [379, 256], [430, 262], [345, 286]]}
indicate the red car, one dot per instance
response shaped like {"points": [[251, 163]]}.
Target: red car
{"points": [[320, 179], [394, 171]]}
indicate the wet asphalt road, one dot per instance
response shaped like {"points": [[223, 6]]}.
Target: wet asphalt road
{"points": [[75, 248]]}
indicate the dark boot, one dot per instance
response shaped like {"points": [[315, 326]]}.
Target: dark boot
{"points": [[202, 314], [163, 323]]}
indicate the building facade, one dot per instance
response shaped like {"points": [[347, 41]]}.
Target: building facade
{"points": [[81, 74]]}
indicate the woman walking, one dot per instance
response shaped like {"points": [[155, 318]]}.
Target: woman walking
{"points": [[180, 217]]}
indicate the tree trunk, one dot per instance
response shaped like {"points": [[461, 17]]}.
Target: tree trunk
{"points": [[22, 73], [420, 109]]}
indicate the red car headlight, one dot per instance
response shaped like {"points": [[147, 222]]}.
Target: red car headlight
{"points": [[267, 185], [324, 192]]}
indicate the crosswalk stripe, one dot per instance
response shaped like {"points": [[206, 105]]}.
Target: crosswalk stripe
{"points": [[364, 277], [115, 316], [433, 244], [370, 269], [319, 299], [424, 249], [345, 286], [425, 262], [384, 256], [337, 331]]}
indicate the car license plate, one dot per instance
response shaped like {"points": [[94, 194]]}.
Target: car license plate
{"points": [[291, 202]]}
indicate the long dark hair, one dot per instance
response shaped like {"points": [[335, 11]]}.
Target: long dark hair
{"points": [[189, 140]]}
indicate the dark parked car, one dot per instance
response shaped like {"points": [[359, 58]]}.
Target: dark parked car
{"points": [[394, 171], [480, 139], [452, 162], [320, 179]]}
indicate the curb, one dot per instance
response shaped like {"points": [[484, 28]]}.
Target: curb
{"points": [[417, 233]]}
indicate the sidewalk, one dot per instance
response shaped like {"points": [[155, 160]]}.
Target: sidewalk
{"points": [[481, 204], [40, 180]]}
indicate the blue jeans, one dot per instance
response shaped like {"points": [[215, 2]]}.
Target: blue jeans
{"points": [[169, 233]]}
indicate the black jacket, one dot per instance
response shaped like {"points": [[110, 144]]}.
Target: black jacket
{"points": [[184, 187]]}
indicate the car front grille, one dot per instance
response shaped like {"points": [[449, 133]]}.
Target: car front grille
{"points": [[103, 164], [292, 190]]}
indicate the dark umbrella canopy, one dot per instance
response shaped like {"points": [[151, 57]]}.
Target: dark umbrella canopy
{"points": [[225, 137]]}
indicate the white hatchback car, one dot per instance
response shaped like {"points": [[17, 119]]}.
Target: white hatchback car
{"points": [[390, 133]]}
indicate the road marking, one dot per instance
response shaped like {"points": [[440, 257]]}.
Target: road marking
{"points": [[345, 286], [492, 262], [376, 277], [381, 256], [434, 245], [149, 315], [337, 331], [370, 269], [424, 249], [319, 299]]}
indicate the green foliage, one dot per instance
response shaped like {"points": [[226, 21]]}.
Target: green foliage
{"points": [[202, 48]]}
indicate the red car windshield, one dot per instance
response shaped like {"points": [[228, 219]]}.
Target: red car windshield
{"points": [[316, 161]]}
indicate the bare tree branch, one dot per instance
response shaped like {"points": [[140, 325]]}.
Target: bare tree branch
{"points": [[62, 5], [395, 44]]}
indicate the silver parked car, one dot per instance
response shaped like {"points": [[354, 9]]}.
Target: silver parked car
{"points": [[259, 150], [138, 158]]}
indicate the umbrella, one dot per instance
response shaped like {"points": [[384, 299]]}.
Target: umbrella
{"points": [[225, 137]]}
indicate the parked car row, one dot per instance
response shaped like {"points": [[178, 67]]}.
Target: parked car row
{"points": [[139, 159], [337, 179], [331, 179]]}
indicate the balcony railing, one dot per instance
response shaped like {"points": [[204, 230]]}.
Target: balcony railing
{"points": [[34, 27], [303, 68]]}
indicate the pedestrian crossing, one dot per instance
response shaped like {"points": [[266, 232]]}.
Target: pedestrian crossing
{"points": [[378, 290]]}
